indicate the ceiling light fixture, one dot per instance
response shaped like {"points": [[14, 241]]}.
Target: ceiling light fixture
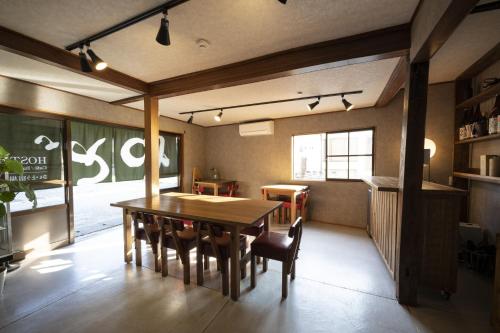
{"points": [[218, 117], [163, 36], [348, 106], [99, 64], [84, 62], [190, 120], [312, 105]]}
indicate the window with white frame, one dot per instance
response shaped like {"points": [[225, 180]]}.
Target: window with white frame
{"points": [[344, 155]]}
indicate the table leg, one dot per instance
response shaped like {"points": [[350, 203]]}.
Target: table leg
{"points": [[268, 220], [235, 263], [127, 236], [293, 208], [216, 189]]}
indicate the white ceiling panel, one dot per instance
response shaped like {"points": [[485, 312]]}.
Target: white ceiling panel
{"points": [[22, 68], [369, 77], [235, 29]]}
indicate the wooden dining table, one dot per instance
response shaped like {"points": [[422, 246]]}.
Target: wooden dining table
{"points": [[234, 213], [215, 184], [287, 190]]}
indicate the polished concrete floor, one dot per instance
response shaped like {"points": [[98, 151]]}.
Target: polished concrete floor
{"points": [[342, 285]]}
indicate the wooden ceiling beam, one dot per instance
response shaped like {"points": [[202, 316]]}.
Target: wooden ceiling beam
{"points": [[34, 49], [375, 45], [482, 63], [395, 83]]}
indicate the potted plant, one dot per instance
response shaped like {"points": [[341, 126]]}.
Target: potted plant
{"points": [[8, 191]]}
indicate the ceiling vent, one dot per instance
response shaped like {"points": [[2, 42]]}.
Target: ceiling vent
{"points": [[257, 128]]}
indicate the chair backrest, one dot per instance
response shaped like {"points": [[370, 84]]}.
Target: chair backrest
{"points": [[295, 232]]}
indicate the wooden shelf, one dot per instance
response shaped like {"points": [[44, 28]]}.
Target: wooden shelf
{"points": [[481, 138], [473, 176], [481, 97]]}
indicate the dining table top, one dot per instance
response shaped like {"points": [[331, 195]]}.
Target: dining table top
{"points": [[224, 210], [214, 181], [286, 187]]}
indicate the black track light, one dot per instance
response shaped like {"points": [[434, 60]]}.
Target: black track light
{"points": [[99, 64], [313, 104], [348, 106], [283, 1], [84, 62], [163, 36], [218, 117], [190, 120]]}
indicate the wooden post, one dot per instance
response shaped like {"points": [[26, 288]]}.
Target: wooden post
{"points": [[410, 183], [151, 138]]}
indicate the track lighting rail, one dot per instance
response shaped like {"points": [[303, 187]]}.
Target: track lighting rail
{"points": [[122, 25], [275, 102]]}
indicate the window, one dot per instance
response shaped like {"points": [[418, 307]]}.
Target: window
{"points": [[331, 156]]}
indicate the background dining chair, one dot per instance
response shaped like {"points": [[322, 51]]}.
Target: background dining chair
{"points": [[280, 247], [146, 229], [213, 241], [196, 175], [302, 204], [179, 236]]}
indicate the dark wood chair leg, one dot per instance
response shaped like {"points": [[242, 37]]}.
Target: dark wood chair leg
{"points": [[264, 264], [164, 261], [253, 271], [199, 268], [156, 257], [243, 267], [187, 268], [292, 275], [259, 260], [206, 262], [225, 277], [138, 252], [284, 281], [218, 265]]}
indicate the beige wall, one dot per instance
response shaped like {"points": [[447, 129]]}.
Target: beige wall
{"points": [[28, 96], [440, 127], [256, 161]]}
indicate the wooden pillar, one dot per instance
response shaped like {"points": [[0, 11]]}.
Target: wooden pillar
{"points": [[410, 183], [151, 138]]}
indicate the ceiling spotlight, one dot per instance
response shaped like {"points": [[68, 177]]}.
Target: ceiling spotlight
{"points": [[283, 1], [84, 62], [98, 63], [163, 36], [218, 117], [313, 104], [348, 106], [190, 120]]}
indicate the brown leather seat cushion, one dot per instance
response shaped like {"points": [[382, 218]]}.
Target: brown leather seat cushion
{"points": [[272, 245], [254, 230], [186, 236]]}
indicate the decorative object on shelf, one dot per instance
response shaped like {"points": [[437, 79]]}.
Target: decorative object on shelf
{"points": [[468, 123], [488, 82], [479, 127], [493, 120], [484, 167], [494, 166], [214, 173]]}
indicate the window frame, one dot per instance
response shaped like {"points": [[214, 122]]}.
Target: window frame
{"points": [[372, 155], [326, 179]]}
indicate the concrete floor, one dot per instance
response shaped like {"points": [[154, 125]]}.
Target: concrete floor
{"points": [[342, 285]]}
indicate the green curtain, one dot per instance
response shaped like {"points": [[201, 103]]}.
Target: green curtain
{"points": [[169, 156], [129, 154], [92, 156], [37, 144]]}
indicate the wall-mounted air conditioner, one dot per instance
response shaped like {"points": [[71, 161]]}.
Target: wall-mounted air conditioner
{"points": [[257, 128]]}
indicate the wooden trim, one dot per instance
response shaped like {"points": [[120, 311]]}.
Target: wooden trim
{"points": [[395, 83], [370, 46], [34, 49], [481, 97], [151, 147], [482, 63], [457, 10], [39, 210], [479, 139], [128, 100], [473, 176]]}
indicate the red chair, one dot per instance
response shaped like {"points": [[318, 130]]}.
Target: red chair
{"points": [[302, 204], [280, 247]]}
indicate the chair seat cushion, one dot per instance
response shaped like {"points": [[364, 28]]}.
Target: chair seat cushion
{"points": [[254, 230], [272, 245], [224, 243], [186, 236]]}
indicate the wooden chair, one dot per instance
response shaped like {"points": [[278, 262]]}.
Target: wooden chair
{"points": [[302, 205], [147, 229], [177, 236], [195, 176], [281, 247], [213, 241]]}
